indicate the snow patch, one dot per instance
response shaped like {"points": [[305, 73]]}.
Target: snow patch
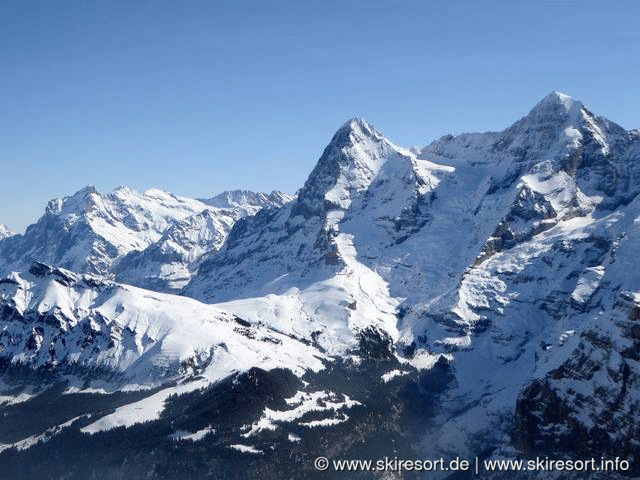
{"points": [[387, 377], [246, 449], [193, 437], [304, 403], [587, 284]]}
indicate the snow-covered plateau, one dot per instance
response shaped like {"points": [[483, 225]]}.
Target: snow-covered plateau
{"points": [[479, 297]]}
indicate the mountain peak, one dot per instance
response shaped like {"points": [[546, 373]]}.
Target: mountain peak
{"points": [[358, 124], [76, 203], [348, 164], [353, 131], [559, 98], [556, 106]]}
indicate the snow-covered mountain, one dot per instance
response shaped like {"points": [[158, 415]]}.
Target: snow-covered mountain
{"points": [[300, 253], [488, 250], [246, 199], [90, 232], [476, 298], [56, 318], [168, 264]]}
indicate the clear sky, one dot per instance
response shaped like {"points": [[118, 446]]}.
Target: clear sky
{"points": [[197, 97]]}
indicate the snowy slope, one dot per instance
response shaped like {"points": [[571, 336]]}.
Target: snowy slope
{"points": [[558, 207], [101, 330], [248, 200], [168, 264]]}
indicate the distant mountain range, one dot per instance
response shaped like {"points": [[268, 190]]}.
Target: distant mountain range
{"points": [[479, 297], [152, 239]]}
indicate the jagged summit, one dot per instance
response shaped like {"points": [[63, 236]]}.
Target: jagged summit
{"points": [[353, 131], [93, 232], [88, 231], [348, 164], [169, 263], [78, 202], [359, 124], [560, 133], [556, 108], [558, 99]]}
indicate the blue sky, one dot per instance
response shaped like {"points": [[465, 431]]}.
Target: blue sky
{"points": [[198, 97]]}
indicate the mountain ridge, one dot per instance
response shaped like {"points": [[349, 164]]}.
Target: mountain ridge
{"points": [[92, 232]]}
